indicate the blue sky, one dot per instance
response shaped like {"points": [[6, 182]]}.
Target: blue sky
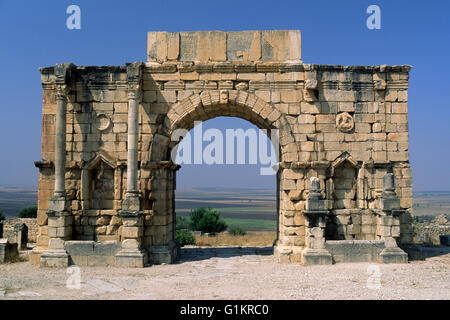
{"points": [[34, 34]]}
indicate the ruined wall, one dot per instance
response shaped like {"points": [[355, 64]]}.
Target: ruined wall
{"points": [[8, 229], [346, 125]]}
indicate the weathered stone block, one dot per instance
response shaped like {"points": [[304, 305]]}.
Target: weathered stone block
{"points": [[79, 248], [8, 251], [393, 255], [316, 257], [354, 250], [130, 259], [132, 232], [54, 259]]}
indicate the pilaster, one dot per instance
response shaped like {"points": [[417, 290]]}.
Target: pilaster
{"points": [[132, 254], [59, 214]]}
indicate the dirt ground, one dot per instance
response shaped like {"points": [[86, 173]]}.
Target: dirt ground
{"points": [[234, 273]]}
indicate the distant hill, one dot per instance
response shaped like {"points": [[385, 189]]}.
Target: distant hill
{"points": [[12, 199], [257, 203]]}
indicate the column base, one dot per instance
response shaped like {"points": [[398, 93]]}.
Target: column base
{"points": [[316, 257], [131, 202], [54, 258], [393, 255], [131, 258], [163, 254], [58, 203], [287, 254]]}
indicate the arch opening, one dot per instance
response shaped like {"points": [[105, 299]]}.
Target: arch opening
{"points": [[245, 198]]}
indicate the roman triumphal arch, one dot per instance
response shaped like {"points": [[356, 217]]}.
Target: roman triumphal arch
{"points": [[106, 179]]}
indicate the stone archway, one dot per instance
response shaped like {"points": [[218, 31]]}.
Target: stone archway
{"points": [[322, 112], [206, 105]]}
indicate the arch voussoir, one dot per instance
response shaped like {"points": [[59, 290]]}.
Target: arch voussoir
{"points": [[205, 98], [241, 98], [239, 103]]}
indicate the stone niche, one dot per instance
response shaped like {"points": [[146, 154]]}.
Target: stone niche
{"points": [[344, 193], [98, 184], [346, 187], [100, 193]]}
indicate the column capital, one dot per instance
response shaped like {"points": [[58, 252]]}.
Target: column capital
{"points": [[134, 79], [134, 72], [63, 72], [62, 90], [134, 91]]}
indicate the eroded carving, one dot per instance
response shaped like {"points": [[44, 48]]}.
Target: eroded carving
{"points": [[345, 122]]}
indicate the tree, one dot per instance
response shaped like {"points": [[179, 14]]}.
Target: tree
{"points": [[2, 215], [182, 223], [28, 212], [207, 220], [182, 232], [184, 237]]}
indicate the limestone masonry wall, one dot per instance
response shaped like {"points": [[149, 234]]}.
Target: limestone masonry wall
{"points": [[345, 125]]}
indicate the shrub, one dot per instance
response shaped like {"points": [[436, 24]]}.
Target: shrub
{"points": [[2, 216], [28, 212], [182, 223], [184, 237], [207, 220], [236, 231]]}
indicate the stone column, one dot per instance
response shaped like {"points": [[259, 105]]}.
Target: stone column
{"points": [[132, 253], [315, 213], [388, 222], [134, 75], [59, 216], [60, 141], [132, 151]]}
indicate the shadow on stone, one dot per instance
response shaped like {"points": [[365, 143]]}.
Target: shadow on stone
{"points": [[198, 254], [430, 251]]}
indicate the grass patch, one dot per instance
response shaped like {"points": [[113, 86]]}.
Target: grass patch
{"points": [[247, 224], [252, 224]]}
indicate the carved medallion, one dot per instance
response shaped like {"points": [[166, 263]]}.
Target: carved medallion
{"points": [[345, 122], [103, 122]]}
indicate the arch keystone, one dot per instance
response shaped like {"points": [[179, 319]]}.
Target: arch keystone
{"points": [[205, 98]]}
